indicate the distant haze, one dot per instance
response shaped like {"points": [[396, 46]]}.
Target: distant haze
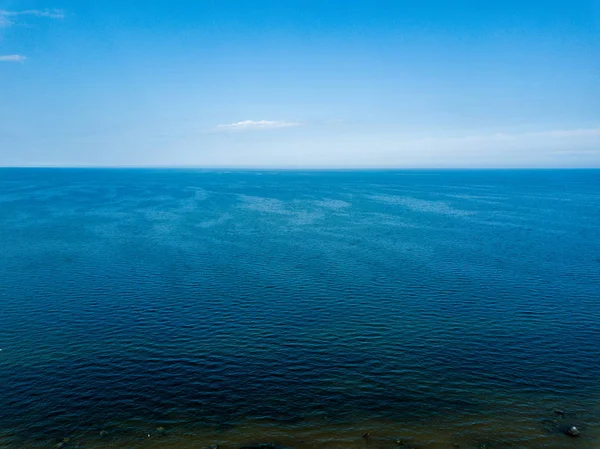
{"points": [[300, 84]]}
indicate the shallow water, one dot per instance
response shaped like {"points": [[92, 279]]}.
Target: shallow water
{"points": [[301, 308]]}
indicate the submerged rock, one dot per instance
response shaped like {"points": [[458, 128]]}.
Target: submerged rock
{"points": [[573, 431]]}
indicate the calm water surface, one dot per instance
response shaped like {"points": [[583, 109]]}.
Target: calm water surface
{"points": [[181, 309]]}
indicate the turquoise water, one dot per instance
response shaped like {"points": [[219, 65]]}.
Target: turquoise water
{"points": [[185, 308]]}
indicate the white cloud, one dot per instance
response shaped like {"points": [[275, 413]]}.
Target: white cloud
{"points": [[51, 13], [12, 58], [260, 124], [7, 21]]}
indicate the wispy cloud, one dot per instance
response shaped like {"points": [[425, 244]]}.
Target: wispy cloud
{"points": [[12, 58], [260, 124], [7, 18]]}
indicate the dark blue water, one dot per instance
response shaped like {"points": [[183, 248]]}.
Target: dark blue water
{"points": [[172, 308]]}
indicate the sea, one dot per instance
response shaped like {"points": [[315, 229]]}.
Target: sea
{"points": [[168, 308]]}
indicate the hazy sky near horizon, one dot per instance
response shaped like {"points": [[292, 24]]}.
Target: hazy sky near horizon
{"points": [[311, 83]]}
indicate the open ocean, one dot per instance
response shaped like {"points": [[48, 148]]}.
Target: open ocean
{"points": [[190, 308]]}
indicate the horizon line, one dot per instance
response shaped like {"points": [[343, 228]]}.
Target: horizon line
{"points": [[284, 168]]}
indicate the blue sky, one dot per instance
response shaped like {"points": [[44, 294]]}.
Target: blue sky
{"points": [[328, 83]]}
